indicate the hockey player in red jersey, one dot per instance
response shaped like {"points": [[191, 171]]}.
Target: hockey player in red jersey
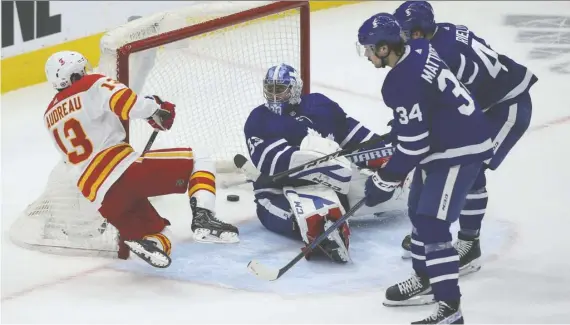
{"points": [[84, 120]]}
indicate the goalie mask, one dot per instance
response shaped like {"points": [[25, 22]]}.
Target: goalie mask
{"points": [[282, 86]]}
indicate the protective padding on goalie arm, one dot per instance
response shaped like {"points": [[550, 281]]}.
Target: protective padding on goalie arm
{"points": [[335, 174], [310, 204]]}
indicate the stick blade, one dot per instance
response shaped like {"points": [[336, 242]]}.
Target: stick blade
{"points": [[262, 271]]}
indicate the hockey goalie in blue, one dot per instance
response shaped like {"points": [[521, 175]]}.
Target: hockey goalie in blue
{"points": [[500, 86], [441, 131], [291, 129]]}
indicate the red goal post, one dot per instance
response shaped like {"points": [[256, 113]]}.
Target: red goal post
{"points": [[287, 28], [210, 60]]}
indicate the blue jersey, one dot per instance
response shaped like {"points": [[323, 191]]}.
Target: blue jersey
{"points": [[272, 138], [436, 121], [490, 77]]}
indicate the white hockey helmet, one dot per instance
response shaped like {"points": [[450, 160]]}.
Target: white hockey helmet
{"points": [[65, 67]]}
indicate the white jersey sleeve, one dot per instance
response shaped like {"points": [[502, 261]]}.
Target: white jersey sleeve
{"points": [[122, 100]]}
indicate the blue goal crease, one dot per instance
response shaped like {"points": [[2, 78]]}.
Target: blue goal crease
{"points": [[374, 247]]}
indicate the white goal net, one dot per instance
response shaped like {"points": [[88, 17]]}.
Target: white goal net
{"points": [[213, 72]]}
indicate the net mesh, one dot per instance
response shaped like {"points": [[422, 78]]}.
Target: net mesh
{"points": [[215, 79], [62, 221]]}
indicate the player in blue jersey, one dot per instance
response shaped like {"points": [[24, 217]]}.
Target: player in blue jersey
{"points": [[500, 86], [442, 133], [291, 129]]}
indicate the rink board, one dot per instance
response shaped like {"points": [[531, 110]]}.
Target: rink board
{"points": [[375, 252]]}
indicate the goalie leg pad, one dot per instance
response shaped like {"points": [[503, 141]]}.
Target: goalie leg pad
{"points": [[315, 209]]}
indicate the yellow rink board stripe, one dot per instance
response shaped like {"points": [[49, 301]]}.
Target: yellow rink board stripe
{"points": [[28, 69]]}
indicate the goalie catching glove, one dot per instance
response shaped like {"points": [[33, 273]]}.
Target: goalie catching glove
{"points": [[163, 118]]}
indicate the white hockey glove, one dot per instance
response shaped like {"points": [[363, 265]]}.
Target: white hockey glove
{"points": [[335, 174]]}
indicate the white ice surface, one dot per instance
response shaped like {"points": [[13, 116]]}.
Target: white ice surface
{"points": [[526, 282]]}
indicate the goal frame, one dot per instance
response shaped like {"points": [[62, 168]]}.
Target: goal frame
{"points": [[124, 52]]}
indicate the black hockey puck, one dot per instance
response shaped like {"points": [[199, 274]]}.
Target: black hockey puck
{"points": [[232, 198]]}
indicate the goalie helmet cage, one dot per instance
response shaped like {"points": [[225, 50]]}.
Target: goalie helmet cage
{"points": [[209, 59]]}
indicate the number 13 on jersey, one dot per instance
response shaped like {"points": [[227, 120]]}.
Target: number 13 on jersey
{"points": [[81, 147]]}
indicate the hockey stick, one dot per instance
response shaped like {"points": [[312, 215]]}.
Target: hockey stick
{"points": [[241, 161], [252, 173], [271, 274], [150, 141]]}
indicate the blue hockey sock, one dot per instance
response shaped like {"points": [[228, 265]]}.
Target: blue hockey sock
{"points": [[441, 259], [473, 213], [418, 254]]}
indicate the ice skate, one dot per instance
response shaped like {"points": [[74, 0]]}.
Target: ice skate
{"points": [[469, 252], [414, 291], [447, 312], [208, 229], [149, 252]]}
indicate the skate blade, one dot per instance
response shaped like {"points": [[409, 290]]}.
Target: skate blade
{"points": [[414, 301], [204, 236], [471, 267], [156, 259], [455, 318]]}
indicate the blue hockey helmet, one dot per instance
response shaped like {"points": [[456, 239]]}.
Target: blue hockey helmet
{"points": [[380, 29], [282, 85], [414, 15]]}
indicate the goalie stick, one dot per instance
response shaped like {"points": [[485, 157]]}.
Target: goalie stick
{"points": [[252, 173], [271, 274], [267, 179], [270, 179]]}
